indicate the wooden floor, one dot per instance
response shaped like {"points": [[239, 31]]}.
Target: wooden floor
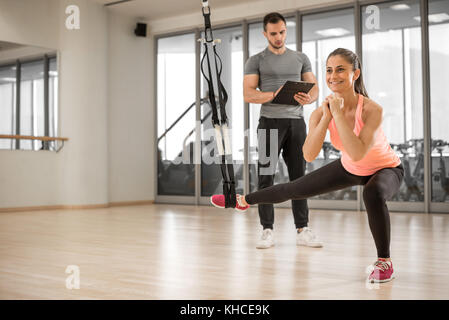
{"points": [[188, 252]]}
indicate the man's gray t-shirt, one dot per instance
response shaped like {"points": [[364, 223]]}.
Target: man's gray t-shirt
{"points": [[274, 70]]}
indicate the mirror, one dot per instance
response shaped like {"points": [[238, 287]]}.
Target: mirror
{"points": [[30, 109]]}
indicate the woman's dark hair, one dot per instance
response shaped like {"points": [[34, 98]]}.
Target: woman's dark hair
{"points": [[273, 17], [353, 59]]}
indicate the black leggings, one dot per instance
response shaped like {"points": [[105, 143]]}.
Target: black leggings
{"points": [[378, 188]]}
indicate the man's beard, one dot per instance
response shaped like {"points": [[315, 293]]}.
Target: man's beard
{"points": [[275, 46]]}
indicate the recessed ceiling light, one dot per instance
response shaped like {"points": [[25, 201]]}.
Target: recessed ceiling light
{"points": [[291, 23], [435, 18], [8, 79], [333, 32], [400, 6]]}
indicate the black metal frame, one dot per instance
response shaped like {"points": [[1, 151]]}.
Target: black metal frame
{"points": [[17, 114], [45, 144]]}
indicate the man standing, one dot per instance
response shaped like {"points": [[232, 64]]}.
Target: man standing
{"points": [[268, 71]]}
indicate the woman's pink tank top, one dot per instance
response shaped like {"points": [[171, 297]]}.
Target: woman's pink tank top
{"points": [[380, 156]]}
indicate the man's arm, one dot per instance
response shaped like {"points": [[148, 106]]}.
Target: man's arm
{"points": [[250, 92], [308, 98]]}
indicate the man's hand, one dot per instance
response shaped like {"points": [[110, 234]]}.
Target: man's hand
{"points": [[276, 93], [303, 98]]}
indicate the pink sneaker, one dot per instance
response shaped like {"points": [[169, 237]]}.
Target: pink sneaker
{"points": [[240, 206], [383, 271], [218, 200]]}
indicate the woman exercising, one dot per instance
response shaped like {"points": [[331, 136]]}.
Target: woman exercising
{"points": [[354, 122]]}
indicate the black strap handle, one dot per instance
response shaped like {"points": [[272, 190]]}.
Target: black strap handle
{"points": [[227, 169]]}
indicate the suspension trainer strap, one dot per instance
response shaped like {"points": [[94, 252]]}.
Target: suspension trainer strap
{"points": [[222, 94], [212, 100], [220, 124]]}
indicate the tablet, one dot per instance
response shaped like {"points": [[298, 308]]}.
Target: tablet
{"points": [[288, 91]]}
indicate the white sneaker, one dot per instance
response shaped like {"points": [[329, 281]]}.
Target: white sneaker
{"points": [[307, 238], [266, 240]]}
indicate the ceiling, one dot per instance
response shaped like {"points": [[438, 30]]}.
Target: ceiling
{"points": [[157, 9]]}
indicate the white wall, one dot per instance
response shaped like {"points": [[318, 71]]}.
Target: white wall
{"points": [[77, 174], [106, 85], [83, 105], [130, 117], [25, 22], [29, 178]]}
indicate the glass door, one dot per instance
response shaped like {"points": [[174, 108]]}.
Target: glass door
{"points": [[176, 115], [393, 77]]}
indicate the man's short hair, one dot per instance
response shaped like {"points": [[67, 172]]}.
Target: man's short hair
{"points": [[273, 17]]}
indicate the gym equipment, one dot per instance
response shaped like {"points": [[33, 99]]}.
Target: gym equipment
{"points": [[440, 174], [411, 181], [414, 181], [220, 125]]}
